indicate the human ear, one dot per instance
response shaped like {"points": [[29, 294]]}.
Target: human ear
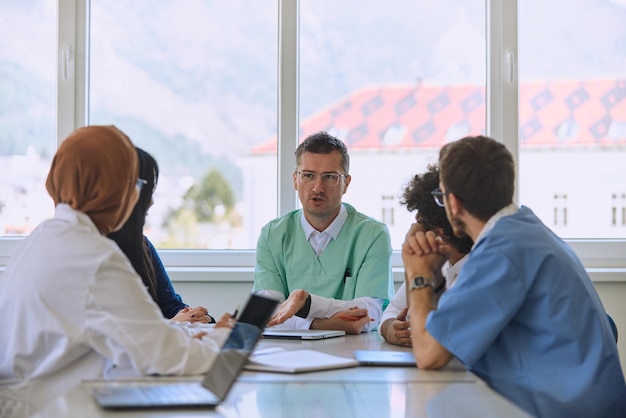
{"points": [[346, 180], [456, 207]]}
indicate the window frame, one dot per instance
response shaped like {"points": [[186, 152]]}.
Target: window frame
{"points": [[603, 258]]}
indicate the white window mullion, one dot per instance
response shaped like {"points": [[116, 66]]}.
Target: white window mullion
{"points": [[288, 124], [502, 76], [72, 71]]}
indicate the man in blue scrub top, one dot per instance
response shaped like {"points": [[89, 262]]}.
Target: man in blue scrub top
{"points": [[328, 263], [523, 314]]}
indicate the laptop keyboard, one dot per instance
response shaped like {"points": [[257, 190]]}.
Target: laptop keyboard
{"points": [[176, 393], [171, 394]]}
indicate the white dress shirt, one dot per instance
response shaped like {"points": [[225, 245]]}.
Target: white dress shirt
{"points": [[72, 306]]}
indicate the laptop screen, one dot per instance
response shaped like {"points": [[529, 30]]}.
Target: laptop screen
{"points": [[235, 352], [217, 382], [231, 359]]}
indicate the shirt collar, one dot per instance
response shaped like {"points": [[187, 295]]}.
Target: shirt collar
{"points": [[65, 212], [332, 230], [453, 270], [505, 211]]}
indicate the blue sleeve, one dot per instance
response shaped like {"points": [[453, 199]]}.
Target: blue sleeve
{"points": [[168, 300], [485, 297]]}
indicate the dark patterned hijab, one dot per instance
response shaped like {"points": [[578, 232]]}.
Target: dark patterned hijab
{"points": [[95, 171]]}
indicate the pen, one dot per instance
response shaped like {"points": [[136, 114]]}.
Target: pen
{"points": [[347, 274], [351, 317], [236, 312]]}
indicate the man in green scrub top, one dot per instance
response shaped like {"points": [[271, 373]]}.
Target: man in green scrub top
{"points": [[328, 263]]}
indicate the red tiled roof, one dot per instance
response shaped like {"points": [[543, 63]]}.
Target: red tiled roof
{"points": [[577, 113]]}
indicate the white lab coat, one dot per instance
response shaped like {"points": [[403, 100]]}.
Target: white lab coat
{"points": [[72, 306]]}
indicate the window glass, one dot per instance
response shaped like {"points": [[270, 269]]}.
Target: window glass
{"points": [[395, 82], [27, 112], [195, 85], [572, 115]]}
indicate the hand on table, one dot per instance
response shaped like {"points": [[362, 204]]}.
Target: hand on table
{"points": [[288, 308], [351, 321], [397, 330], [197, 314], [226, 321]]}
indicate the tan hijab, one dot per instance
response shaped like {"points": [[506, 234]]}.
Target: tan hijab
{"points": [[95, 171]]}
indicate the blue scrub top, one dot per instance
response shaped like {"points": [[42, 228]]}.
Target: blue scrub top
{"points": [[525, 317]]}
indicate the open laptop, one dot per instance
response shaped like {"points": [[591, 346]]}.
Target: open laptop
{"points": [[218, 380], [385, 358], [302, 334]]}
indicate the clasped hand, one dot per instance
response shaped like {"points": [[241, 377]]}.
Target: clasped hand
{"points": [[423, 252]]}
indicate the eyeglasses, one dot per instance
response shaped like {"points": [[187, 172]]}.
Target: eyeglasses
{"points": [[328, 179], [139, 185], [438, 196]]}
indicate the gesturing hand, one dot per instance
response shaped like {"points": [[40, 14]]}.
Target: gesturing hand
{"points": [[288, 308]]}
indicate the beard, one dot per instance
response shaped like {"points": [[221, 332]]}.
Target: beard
{"points": [[458, 227]]}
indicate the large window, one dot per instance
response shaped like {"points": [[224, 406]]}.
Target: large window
{"points": [[195, 85], [28, 68], [395, 81], [572, 115], [200, 84]]}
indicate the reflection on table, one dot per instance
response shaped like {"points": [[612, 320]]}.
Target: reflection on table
{"points": [[354, 392]]}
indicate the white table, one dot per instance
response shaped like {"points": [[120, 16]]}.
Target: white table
{"points": [[369, 392]]}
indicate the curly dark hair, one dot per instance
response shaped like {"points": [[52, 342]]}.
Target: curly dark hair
{"points": [[416, 196]]}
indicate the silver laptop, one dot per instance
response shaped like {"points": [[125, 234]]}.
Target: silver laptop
{"points": [[385, 358], [302, 334], [217, 382]]}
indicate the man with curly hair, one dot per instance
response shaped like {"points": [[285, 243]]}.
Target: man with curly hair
{"points": [[394, 324]]}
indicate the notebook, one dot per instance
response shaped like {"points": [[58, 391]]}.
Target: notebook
{"points": [[302, 334], [385, 358], [217, 381], [298, 361]]}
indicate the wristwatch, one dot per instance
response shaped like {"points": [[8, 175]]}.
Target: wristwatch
{"points": [[420, 282]]}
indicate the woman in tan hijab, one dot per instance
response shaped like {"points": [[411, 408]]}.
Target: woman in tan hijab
{"points": [[95, 172], [71, 304]]}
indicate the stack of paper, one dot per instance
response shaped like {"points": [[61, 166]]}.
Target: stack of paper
{"points": [[298, 361]]}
